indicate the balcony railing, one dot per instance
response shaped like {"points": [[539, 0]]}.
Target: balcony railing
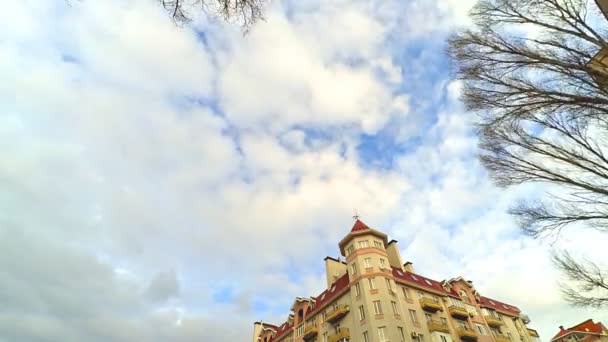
{"points": [[430, 304], [337, 313], [493, 321], [532, 332], [502, 338], [466, 333], [310, 331], [434, 325], [458, 312], [342, 335]]}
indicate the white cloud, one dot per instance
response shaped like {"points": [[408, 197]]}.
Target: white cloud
{"points": [[138, 161]]}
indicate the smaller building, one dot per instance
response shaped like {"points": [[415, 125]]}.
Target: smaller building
{"points": [[587, 331]]}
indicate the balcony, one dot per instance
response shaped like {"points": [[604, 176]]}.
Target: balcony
{"points": [[337, 313], [458, 312], [430, 304], [493, 321], [434, 325], [532, 332], [342, 335], [466, 333], [310, 332], [502, 338]]}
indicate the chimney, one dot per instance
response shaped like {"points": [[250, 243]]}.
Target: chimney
{"points": [[408, 267], [394, 257], [561, 327], [334, 269]]}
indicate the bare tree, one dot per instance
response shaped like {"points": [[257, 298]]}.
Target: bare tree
{"points": [[533, 70], [246, 11]]}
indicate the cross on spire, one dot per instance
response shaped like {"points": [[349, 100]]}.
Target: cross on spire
{"points": [[356, 216]]}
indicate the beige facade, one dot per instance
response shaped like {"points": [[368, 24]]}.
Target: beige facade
{"points": [[374, 296]]}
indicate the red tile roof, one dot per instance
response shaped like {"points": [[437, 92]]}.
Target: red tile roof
{"points": [[423, 282], [587, 327], [359, 226], [332, 292], [336, 289], [499, 306], [283, 330]]}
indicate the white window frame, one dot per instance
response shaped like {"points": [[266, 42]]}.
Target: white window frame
{"points": [[377, 307], [382, 334]]}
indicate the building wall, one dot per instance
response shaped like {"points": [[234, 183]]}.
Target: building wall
{"points": [[389, 289]]}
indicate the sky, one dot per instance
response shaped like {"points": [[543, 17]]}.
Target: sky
{"points": [[165, 183]]}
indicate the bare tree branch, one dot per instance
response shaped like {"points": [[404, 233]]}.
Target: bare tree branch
{"points": [[247, 11], [543, 111]]}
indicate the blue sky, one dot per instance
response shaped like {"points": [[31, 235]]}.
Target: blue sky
{"points": [[178, 183]]}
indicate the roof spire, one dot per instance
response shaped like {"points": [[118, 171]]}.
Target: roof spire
{"points": [[356, 216]]}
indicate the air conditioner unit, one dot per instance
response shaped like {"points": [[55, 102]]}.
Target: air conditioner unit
{"points": [[414, 334]]}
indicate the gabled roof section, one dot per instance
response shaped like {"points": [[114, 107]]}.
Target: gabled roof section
{"points": [[499, 306], [423, 282], [358, 226], [335, 290], [586, 327]]}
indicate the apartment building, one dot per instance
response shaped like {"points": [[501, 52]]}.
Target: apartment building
{"points": [[373, 296], [587, 331]]}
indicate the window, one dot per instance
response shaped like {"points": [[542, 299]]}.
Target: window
{"points": [[428, 282], [323, 316], [367, 262], [378, 244], [300, 330], [414, 277], [357, 290], [372, 283], [420, 295], [406, 293], [464, 296], [353, 268], [388, 284], [381, 334], [324, 337], [365, 337], [456, 302], [395, 307], [428, 317], [382, 263], [436, 299], [401, 333], [413, 316], [350, 249], [377, 307], [361, 313], [420, 338], [510, 336], [443, 339], [363, 244], [444, 321]]}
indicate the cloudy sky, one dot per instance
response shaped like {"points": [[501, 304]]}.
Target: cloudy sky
{"points": [[160, 183]]}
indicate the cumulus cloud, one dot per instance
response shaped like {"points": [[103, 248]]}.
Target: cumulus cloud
{"points": [[151, 175]]}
